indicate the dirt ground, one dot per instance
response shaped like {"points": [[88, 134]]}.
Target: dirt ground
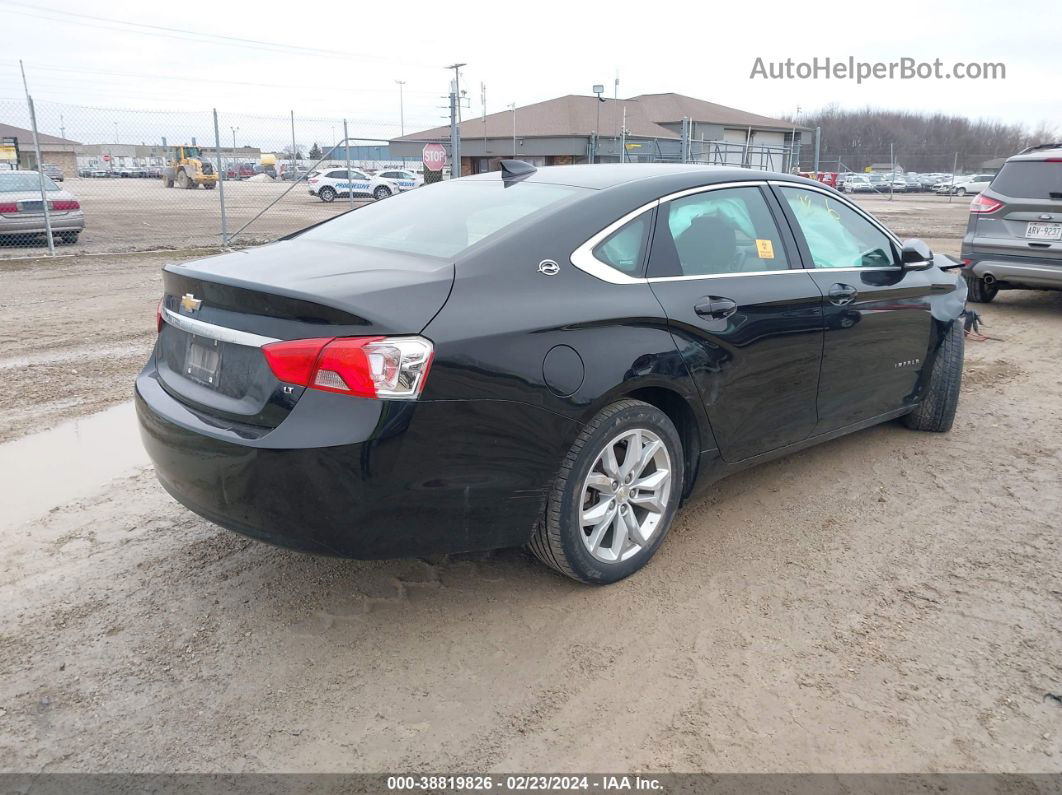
{"points": [[889, 601]]}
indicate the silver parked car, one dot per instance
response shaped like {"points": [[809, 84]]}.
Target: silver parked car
{"points": [[22, 211], [1014, 236]]}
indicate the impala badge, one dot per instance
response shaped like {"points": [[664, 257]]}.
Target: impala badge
{"points": [[189, 303], [548, 267]]}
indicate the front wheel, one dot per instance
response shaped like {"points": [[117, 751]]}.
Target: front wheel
{"points": [[615, 497], [936, 412], [381, 193], [327, 194]]}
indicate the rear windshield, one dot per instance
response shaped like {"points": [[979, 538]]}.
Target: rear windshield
{"points": [[21, 183], [443, 220], [1029, 179]]}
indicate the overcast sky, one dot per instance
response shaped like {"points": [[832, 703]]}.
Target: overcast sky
{"points": [[341, 59]]}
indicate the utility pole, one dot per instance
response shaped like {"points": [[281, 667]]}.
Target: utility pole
{"points": [[62, 127], [455, 121], [818, 143], [892, 172], [623, 137], [615, 100], [116, 132], [401, 106]]}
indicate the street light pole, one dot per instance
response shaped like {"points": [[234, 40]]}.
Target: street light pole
{"points": [[599, 89], [455, 123], [512, 107]]}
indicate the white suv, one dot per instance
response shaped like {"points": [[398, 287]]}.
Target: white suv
{"points": [[331, 183], [969, 185], [406, 180]]}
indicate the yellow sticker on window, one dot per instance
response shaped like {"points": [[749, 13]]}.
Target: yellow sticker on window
{"points": [[765, 249]]}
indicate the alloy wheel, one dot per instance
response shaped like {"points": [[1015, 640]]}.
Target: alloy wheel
{"points": [[625, 495]]}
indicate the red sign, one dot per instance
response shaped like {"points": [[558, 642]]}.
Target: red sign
{"points": [[106, 158], [434, 157]]}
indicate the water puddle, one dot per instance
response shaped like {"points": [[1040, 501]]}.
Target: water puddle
{"points": [[75, 355], [68, 462]]}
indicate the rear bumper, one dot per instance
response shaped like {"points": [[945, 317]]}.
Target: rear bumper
{"points": [[1018, 271], [34, 224], [360, 478]]}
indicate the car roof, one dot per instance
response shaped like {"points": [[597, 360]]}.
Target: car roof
{"points": [[1042, 152], [663, 175]]}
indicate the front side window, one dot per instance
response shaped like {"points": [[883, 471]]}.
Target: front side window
{"points": [[837, 236], [730, 230]]}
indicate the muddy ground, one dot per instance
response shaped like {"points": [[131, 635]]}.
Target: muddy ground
{"points": [[889, 601]]}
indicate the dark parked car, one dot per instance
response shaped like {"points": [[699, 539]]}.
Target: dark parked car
{"points": [[1014, 235], [556, 358]]}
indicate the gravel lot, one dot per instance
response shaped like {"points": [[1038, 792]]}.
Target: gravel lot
{"points": [[124, 215], [889, 601]]}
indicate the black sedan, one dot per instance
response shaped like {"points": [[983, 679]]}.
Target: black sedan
{"points": [[555, 358]]}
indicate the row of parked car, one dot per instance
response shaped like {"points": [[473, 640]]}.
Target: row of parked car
{"points": [[944, 184], [330, 183]]}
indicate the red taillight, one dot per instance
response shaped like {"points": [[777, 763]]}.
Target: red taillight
{"points": [[66, 205], [8, 208], [982, 204], [312, 181], [371, 367], [158, 315], [966, 262]]}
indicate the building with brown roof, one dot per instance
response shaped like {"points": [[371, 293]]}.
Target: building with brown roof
{"points": [[583, 129], [55, 150]]}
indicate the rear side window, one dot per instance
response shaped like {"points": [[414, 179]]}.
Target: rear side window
{"points": [[624, 249], [1029, 179], [730, 230]]}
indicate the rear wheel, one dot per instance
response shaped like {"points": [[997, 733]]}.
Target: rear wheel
{"points": [[381, 192], [210, 185], [980, 291], [167, 182], [327, 194], [960, 192], [615, 497], [183, 180], [936, 412], [69, 237]]}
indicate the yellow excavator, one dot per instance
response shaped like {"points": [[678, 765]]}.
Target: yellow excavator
{"points": [[188, 169]]}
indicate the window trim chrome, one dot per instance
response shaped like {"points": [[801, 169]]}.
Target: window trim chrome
{"points": [[583, 257], [214, 332]]}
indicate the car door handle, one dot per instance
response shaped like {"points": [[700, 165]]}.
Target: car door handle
{"points": [[715, 306], [842, 294]]}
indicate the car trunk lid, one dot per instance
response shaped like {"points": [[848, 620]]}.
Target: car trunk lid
{"points": [[219, 312]]}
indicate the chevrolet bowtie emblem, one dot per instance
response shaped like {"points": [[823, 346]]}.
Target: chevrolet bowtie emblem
{"points": [[189, 303]]}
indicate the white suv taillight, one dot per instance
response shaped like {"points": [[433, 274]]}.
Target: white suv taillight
{"points": [[372, 367]]}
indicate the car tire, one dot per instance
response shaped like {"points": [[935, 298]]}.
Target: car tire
{"points": [[69, 237], [936, 412], [210, 185], [979, 291], [960, 192], [381, 192], [327, 194], [168, 183], [561, 539]]}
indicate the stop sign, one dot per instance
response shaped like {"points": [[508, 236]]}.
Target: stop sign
{"points": [[434, 157]]}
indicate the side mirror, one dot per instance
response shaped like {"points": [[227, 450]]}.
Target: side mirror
{"points": [[916, 255]]}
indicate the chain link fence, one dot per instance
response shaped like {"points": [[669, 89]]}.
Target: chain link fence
{"points": [[133, 180]]}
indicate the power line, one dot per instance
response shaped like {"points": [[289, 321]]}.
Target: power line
{"points": [[145, 29]]}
